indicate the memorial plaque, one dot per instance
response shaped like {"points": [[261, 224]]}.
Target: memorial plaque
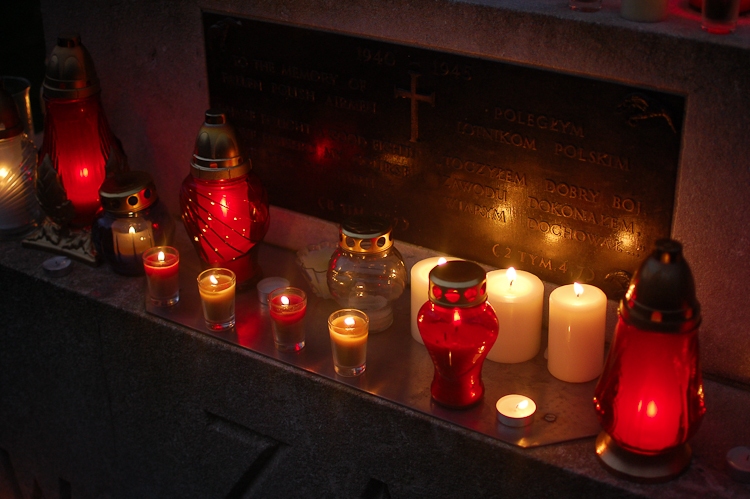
{"points": [[568, 177]]}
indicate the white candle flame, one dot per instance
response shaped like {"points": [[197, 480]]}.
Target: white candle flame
{"points": [[4, 172], [522, 405], [442, 260], [131, 230], [284, 300], [578, 289], [349, 321], [213, 279], [160, 256], [511, 274]]}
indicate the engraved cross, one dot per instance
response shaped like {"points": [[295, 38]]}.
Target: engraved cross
{"points": [[415, 99]]}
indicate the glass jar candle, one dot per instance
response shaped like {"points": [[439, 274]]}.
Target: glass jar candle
{"points": [[131, 221], [458, 327], [366, 271], [224, 205], [19, 210]]}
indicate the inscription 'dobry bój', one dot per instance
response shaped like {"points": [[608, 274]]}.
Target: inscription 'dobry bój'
{"points": [[570, 178]]}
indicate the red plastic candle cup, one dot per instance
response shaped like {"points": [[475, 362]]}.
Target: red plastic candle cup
{"points": [[162, 266], [287, 307]]}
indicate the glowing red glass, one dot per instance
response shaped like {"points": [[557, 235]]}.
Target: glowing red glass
{"points": [[650, 396], [225, 219], [78, 140]]}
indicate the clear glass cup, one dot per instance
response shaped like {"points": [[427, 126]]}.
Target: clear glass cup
{"points": [[216, 287], [287, 307], [162, 267], [348, 329], [720, 16]]}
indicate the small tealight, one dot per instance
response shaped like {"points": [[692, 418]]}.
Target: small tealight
{"points": [[738, 461], [267, 285], [515, 410]]}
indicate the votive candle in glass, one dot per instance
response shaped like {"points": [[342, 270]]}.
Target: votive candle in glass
{"points": [[216, 287], [162, 267]]}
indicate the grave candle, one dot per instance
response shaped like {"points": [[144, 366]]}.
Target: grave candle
{"points": [[216, 287], [162, 265], [515, 410], [287, 307], [577, 316], [420, 280], [518, 300], [348, 329]]}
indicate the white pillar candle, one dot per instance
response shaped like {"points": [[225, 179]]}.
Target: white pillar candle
{"points": [[577, 316], [518, 300], [420, 280]]}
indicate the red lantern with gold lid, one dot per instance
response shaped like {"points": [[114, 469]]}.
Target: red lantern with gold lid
{"points": [[224, 206]]}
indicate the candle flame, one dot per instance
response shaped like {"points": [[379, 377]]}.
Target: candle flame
{"points": [[442, 261], [578, 289], [160, 256], [84, 172], [456, 316], [131, 230], [284, 300], [511, 274], [4, 172], [213, 280], [522, 405], [349, 321], [651, 409]]}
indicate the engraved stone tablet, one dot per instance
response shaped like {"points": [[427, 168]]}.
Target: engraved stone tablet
{"points": [[568, 177]]}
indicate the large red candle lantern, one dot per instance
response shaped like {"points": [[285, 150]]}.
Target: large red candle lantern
{"points": [[458, 326], [79, 150], [649, 399], [224, 206]]}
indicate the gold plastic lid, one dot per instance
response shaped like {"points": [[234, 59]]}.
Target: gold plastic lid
{"points": [[128, 192], [217, 153], [365, 234], [70, 72]]}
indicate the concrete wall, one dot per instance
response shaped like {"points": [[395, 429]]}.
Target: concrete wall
{"points": [[150, 57]]}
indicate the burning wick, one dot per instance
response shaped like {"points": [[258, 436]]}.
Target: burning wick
{"points": [[349, 321], [284, 300], [522, 405], [213, 280], [131, 230], [578, 289], [4, 172], [160, 256], [511, 274], [442, 260]]}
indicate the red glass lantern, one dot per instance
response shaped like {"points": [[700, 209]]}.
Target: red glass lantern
{"points": [[78, 142], [458, 326], [649, 399], [224, 206]]}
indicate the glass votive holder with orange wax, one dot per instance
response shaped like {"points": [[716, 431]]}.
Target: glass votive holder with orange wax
{"points": [[349, 330], [287, 307], [162, 267], [216, 287]]}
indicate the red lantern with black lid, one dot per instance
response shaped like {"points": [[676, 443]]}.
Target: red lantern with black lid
{"points": [[458, 326]]}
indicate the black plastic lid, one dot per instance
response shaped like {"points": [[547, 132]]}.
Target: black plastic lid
{"points": [[661, 295]]}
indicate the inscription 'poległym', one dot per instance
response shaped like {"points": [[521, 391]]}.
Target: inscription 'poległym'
{"points": [[508, 165]]}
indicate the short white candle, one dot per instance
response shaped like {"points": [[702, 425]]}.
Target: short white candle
{"points": [[577, 317], [515, 410], [420, 281], [518, 300]]}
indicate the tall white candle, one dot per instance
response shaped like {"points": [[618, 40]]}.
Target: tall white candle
{"points": [[518, 300], [420, 280], [577, 316]]}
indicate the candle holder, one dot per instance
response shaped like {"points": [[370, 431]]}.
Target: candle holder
{"points": [[19, 210], [366, 271], [287, 307], [349, 329], [162, 268], [132, 221], [224, 206], [78, 153], [217, 288], [458, 327], [649, 399]]}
